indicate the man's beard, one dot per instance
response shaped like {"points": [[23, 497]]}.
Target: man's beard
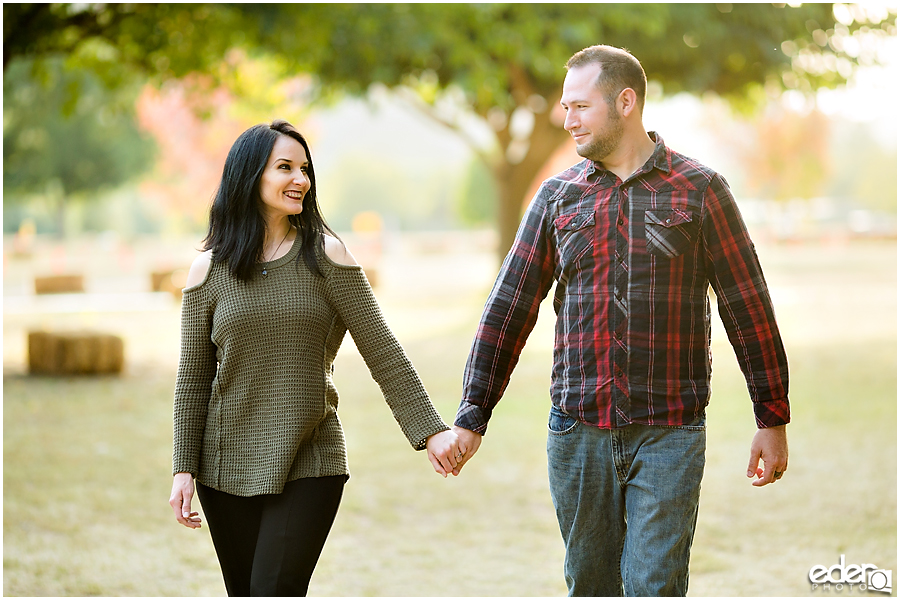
{"points": [[606, 143]]}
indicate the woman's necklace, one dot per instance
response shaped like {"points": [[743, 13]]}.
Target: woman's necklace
{"points": [[266, 271]]}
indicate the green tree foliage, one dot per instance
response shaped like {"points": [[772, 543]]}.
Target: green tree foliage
{"points": [[160, 40], [501, 62], [65, 135], [72, 75], [506, 60]]}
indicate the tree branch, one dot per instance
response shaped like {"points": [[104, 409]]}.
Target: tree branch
{"points": [[409, 96]]}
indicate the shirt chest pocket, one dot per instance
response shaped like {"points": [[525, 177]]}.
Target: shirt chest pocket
{"points": [[669, 232], [574, 237]]}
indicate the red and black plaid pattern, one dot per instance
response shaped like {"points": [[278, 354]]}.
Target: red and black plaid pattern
{"points": [[633, 262]]}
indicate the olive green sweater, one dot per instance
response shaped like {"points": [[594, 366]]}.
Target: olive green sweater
{"points": [[255, 403]]}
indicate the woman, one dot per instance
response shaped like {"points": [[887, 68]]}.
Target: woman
{"points": [[264, 311]]}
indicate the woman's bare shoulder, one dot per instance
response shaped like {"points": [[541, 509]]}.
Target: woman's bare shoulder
{"points": [[338, 252], [198, 270]]}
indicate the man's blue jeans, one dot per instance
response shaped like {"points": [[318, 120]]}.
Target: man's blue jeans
{"points": [[626, 500]]}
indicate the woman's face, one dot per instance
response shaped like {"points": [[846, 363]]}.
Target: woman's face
{"points": [[285, 180]]}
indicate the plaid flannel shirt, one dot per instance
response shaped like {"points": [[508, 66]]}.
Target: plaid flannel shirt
{"points": [[633, 261]]}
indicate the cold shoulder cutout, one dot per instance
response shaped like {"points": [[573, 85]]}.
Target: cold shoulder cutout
{"points": [[199, 269], [337, 252]]}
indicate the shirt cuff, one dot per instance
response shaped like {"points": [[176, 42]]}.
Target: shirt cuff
{"points": [[472, 417], [183, 468], [772, 413]]}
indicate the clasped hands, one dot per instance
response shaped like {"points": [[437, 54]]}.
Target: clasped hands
{"points": [[449, 450]]}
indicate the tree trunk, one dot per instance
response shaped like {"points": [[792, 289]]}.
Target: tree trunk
{"points": [[514, 180]]}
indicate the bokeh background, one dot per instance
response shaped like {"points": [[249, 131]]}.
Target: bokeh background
{"points": [[431, 126]]}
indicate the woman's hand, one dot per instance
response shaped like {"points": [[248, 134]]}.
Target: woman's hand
{"points": [[444, 452], [180, 500]]}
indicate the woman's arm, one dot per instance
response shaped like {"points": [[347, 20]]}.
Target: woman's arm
{"points": [[388, 363], [196, 369]]}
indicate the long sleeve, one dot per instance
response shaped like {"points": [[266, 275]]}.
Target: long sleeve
{"points": [[508, 318], [352, 297], [193, 386], [745, 306]]}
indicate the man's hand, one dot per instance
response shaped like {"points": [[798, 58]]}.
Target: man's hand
{"points": [[469, 442], [769, 444]]}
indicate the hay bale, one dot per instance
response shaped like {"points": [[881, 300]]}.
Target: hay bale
{"points": [[58, 284], [74, 353]]}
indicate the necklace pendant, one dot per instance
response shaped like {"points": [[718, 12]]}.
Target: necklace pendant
{"points": [[265, 272]]}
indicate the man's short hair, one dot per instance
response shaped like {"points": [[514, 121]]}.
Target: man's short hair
{"points": [[618, 70]]}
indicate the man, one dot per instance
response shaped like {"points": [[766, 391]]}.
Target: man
{"points": [[634, 236]]}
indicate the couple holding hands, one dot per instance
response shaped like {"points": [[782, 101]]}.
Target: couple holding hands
{"points": [[633, 237]]}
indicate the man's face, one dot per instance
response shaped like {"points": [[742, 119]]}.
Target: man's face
{"points": [[596, 127]]}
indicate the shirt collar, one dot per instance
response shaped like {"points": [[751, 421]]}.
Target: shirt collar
{"points": [[660, 159]]}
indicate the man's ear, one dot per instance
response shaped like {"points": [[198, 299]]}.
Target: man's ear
{"points": [[627, 102]]}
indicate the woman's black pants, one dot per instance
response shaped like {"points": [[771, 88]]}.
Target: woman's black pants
{"points": [[268, 545]]}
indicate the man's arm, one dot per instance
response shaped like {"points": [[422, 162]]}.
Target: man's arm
{"points": [[508, 318], [748, 315]]}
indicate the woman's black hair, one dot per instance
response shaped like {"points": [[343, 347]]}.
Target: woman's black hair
{"points": [[237, 229]]}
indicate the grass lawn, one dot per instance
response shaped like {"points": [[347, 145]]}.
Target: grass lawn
{"points": [[87, 460]]}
